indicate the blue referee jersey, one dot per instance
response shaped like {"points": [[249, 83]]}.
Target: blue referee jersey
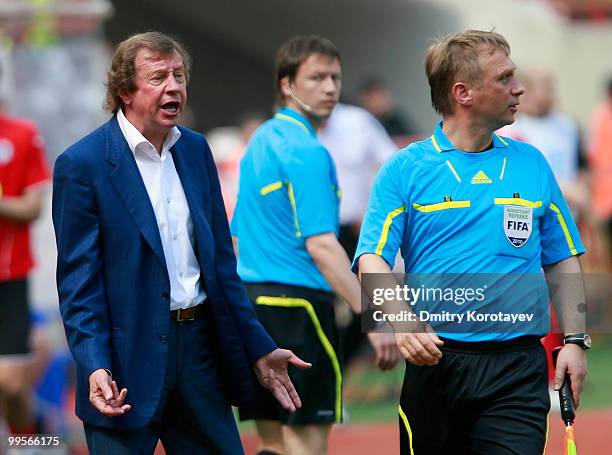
{"points": [[499, 211], [288, 192]]}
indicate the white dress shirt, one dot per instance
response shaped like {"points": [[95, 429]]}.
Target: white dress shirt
{"points": [[359, 144], [171, 212]]}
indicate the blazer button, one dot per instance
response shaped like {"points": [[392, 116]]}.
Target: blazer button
{"points": [[163, 338], [165, 296]]}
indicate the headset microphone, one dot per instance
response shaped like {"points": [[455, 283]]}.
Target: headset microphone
{"points": [[301, 103]]}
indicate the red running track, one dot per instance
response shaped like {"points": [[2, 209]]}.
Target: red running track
{"points": [[593, 431]]}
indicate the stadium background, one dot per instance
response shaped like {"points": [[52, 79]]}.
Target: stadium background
{"points": [[54, 54]]}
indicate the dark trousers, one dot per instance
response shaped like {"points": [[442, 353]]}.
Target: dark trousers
{"points": [[193, 415], [492, 401]]}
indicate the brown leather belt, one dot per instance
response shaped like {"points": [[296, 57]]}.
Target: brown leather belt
{"points": [[186, 314]]}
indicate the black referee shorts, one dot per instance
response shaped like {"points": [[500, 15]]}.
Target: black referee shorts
{"points": [[14, 318], [302, 320], [486, 398]]}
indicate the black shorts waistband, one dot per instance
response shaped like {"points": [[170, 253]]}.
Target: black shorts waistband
{"points": [[289, 289], [491, 346]]}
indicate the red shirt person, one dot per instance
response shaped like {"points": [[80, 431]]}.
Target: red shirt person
{"points": [[23, 173], [23, 170]]}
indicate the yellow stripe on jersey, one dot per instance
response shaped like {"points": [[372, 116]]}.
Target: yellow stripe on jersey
{"points": [[448, 163], [568, 237], [270, 188], [292, 120], [517, 201], [298, 232], [501, 175], [385, 230], [501, 139], [435, 144], [442, 206]]}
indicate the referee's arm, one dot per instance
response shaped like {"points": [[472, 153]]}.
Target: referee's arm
{"points": [[418, 343], [331, 259], [568, 297], [334, 264]]}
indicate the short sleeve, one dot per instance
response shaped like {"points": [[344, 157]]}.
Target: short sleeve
{"points": [[37, 169], [313, 191], [383, 226], [559, 235]]}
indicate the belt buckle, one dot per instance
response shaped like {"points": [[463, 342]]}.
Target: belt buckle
{"points": [[185, 311]]}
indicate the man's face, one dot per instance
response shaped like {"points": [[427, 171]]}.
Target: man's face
{"points": [[317, 84], [161, 93], [495, 101]]}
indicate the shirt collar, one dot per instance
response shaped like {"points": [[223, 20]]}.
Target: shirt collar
{"points": [[289, 115], [134, 137], [443, 144]]}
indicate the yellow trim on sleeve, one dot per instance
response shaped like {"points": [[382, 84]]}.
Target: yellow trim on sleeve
{"points": [[435, 144], [292, 120], [442, 206], [501, 175], [294, 208], [568, 237], [385, 230], [270, 188], [407, 426], [289, 302], [517, 201], [453, 171]]}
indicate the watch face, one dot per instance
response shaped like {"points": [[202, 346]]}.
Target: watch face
{"points": [[583, 340]]}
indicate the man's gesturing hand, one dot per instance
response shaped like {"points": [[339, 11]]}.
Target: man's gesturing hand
{"points": [[104, 395], [385, 350], [271, 371]]}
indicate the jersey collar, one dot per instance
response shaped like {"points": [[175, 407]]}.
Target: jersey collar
{"points": [[289, 115], [442, 144]]}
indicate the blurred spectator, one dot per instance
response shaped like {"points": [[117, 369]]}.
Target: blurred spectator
{"points": [[554, 133], [600, 160], [229, 165], [376, 98], [23, 175], [359, 145]]}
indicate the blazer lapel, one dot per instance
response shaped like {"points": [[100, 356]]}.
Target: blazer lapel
{"points": [[128, 183]]}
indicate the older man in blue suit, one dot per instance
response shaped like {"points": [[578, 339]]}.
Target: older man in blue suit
{"points": [[146, 273]]}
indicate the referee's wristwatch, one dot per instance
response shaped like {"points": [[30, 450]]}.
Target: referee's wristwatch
{"points": [[581, 339]]}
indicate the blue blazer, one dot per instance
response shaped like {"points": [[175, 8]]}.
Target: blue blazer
{"points": [[112, 280]]}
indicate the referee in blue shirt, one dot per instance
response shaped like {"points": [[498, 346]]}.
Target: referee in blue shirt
{"points": [[286, 223], [466, 202]]}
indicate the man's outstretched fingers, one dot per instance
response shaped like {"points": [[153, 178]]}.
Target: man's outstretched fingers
{"points": [[291, 392], [299, 363], [114, 389], [283, 397]]}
